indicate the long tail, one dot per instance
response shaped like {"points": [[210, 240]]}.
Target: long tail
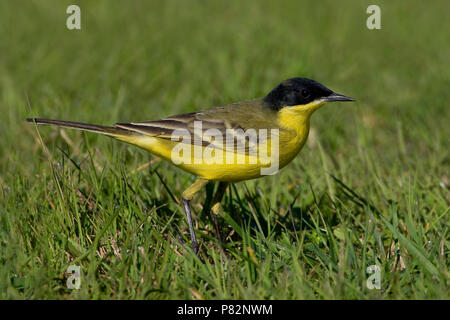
{"points": [[110, 131]]}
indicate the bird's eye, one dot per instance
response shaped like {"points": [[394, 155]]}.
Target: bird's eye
{"points": [[305, 93]]}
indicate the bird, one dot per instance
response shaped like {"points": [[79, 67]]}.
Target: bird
{"points": [[227, 143]]}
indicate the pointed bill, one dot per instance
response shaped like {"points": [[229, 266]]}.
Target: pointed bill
{"points": [[338, 97]]}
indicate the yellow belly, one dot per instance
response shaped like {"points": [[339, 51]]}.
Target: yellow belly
{"points": [[248, 166], [291, 138]]}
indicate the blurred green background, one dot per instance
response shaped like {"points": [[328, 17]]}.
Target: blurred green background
{"points": [[142, 60]]}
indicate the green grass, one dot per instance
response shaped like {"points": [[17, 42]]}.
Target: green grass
{"points": [[370, 187]]}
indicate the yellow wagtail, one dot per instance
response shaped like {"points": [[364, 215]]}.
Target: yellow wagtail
{"points": [[228, 143]]}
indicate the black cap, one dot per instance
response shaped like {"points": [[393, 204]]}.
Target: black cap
{"points": [[298, 91]]}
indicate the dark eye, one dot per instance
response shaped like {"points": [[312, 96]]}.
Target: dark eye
{"points": [[305, 93]]}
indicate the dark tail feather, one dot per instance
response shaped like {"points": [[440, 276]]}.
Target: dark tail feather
{"points": [[111, 131]]}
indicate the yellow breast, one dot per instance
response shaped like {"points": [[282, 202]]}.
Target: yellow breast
{"points": [[293, 132]]}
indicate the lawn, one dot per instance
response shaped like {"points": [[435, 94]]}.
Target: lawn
{"points": [[370, 187]]}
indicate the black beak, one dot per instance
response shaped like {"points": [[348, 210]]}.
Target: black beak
{"points": [[338, 97]]}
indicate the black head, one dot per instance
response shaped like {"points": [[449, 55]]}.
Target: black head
{"points": [[300, 91]]}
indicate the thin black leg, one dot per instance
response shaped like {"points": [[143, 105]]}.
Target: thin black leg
{"points": [[187, 210], [215, 209]]}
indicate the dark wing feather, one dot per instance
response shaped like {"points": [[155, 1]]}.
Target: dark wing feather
{"points": [[233, 116]]}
